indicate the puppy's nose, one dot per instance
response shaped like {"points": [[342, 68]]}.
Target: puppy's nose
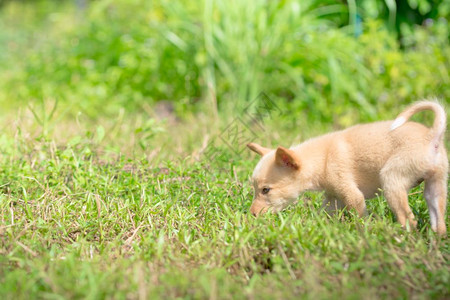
{"points": [[255, 210]]}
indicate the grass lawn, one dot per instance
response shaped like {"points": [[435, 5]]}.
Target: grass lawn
{"points": [[92, 212], [123, 167]]}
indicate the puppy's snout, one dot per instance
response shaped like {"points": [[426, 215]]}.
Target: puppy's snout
{"points": [[253, 211], [257, 208]]}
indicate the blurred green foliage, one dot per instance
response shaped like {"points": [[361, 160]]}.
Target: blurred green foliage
{"points": [[133, 53]]}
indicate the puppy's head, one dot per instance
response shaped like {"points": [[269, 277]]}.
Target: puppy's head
{"points": [[275, 179]]}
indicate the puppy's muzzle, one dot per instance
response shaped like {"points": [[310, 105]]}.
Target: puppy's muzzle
{"points": [[258, 208]]}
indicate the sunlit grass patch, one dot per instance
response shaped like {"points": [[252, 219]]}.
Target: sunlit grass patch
{"points": [[126, 226]]}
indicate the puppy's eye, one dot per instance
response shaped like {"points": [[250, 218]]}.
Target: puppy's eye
{"points": [[265, 191]]}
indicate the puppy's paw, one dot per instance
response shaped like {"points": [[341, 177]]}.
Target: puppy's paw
{"points": [[410, 225]]}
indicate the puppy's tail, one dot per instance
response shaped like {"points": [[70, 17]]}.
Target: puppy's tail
{"points": [[440, 120]]}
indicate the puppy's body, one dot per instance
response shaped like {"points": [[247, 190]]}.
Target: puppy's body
{"points": [[359, 154], [353, 164]]}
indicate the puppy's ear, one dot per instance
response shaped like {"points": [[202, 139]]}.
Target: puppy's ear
{"points": [[258, 149], [286, 157]]}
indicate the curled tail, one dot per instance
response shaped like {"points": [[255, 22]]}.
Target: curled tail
{"points": [[440, 120]]}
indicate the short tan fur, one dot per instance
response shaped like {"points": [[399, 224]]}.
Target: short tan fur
{"points": [[353, 164]]}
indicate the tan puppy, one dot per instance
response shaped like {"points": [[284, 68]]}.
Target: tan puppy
{"points": [[353, 164]]}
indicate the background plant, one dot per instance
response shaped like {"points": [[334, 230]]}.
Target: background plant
{"points": [[128, 54]]}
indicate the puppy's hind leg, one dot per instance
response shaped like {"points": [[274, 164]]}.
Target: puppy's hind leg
{"points": [[436, 196], [398, 201], [396, 194], [396, 179]]}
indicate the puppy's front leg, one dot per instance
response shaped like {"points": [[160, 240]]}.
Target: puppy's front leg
{"points": [[355, 199], [351, 197]]}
